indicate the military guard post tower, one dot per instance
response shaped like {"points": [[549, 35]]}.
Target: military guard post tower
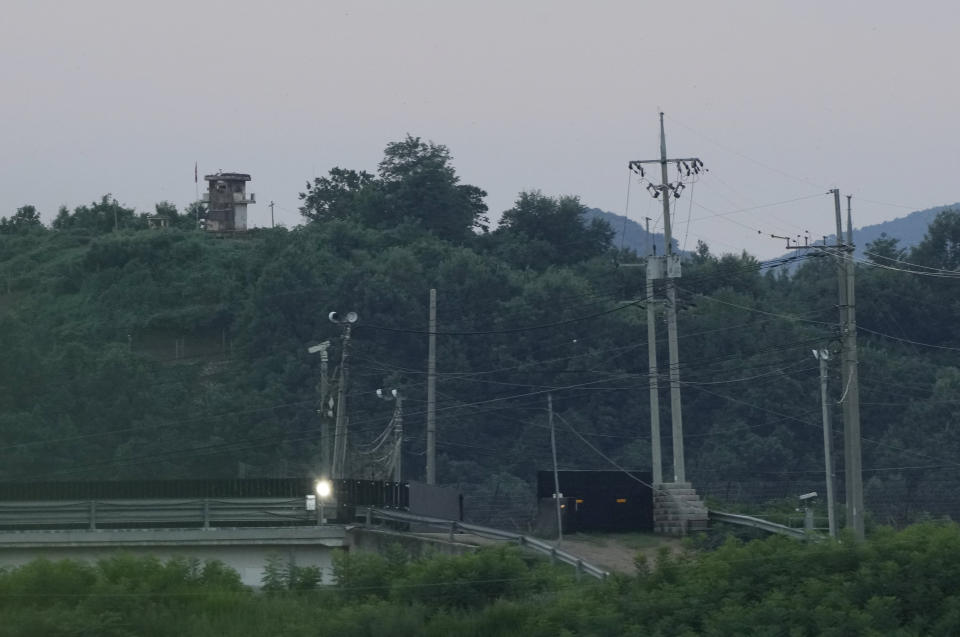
{"points": [[227, 202]]}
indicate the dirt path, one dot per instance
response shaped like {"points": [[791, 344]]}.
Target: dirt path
{"points": [[616, 552]]}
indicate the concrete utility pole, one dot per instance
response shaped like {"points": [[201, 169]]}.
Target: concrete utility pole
{"points": [[338, 469], [851, 402], [395, 396], [849, 377], [324, 389], [556, 476], [398, 434], [670, 270], [657, 462], [823, 355], [432, 391]]}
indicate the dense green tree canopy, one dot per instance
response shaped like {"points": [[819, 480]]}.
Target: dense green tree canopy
{"points": [[540, 231], [415, 183], [174, 351]]}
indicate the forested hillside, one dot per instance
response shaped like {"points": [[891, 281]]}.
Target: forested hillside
{"points": [[132, 351]]}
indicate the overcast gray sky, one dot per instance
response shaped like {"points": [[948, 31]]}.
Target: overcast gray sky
{"points": [[781, 100]]}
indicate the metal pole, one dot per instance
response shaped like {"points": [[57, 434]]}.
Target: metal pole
{"points": [[432, 391], [556, 475], [271, 215], [655, 451], [823, 356], [676, 416], [852, 432]]}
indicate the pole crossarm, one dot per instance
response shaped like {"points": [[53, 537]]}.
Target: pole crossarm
{"points": [[690, 160]]}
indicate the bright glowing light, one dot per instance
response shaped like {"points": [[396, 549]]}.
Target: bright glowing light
{"points": [[324, 488]]}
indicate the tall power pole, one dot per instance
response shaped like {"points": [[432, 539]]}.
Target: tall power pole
{"points": [[670, 271], [655, 452], [271, 215], [851, 402], [849, 377], [432, 391]]}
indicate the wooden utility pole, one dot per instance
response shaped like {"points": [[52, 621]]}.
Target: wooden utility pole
{"points": [[432, 391], [670, 271]]}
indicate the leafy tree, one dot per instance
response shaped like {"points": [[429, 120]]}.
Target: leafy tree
{"points": [[101, 216], [885, 249], [420, 183], [940, 247], [334, 197], [415, 183], [540, 230], [25, 219]]}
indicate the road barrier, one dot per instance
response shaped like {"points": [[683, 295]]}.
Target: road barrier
{"points": [[453, 526], [759, 523], [156, 513]]}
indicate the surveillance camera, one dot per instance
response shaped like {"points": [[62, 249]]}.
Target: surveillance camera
{"points": [[808, 496]]}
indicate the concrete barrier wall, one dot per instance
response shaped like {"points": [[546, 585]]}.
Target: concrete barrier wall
{"points": [[416, 546]]}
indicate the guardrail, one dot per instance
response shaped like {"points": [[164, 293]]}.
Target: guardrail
{"points": [[759, 523], [160, 512], [452, 526]]}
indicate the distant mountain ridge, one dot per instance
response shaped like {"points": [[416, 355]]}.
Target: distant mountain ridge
{"points": [[909, 229], [630, 234]]}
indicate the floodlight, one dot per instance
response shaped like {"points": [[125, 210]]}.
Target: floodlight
{"points": [[324, 488]]}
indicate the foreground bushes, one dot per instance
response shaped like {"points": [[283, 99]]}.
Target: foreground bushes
{"points": [[905, 583]]}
